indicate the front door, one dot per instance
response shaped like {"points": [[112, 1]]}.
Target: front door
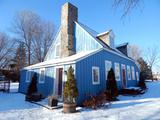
{"points": [[59, 77], [123, 76]]}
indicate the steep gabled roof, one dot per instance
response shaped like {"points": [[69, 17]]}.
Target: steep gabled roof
{"points": [[94, 34]]}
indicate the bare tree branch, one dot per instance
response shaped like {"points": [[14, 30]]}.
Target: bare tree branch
{"points": [[35, 33], [127, 5]]}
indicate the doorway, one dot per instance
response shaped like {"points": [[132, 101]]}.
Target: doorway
{"points": [[59, 80]]}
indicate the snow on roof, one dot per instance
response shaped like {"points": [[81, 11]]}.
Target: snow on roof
{"points": [[123, 44], [66, 60], [106, 32]]}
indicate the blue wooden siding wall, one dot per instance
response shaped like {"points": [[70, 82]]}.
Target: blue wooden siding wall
{"points": [[46, 88], [83, 40], [84, 73]]}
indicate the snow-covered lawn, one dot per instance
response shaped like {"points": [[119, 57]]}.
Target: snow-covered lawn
{"points": [[142, 107]]}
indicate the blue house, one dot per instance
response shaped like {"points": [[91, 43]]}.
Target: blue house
{"points": [[89, 53]]}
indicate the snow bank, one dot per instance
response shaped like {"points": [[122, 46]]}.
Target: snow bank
{"points": [[146, 107]]}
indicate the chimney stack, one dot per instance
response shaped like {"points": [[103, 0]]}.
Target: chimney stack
{"points": [[69, 14]]}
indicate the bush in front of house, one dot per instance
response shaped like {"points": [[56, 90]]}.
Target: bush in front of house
{"points": [[32, 88], [32, 94], [112, 85], [97, 101], [70, 92]]}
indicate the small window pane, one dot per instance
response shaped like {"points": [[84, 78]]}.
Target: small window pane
{"points": [[28, 76], [108, 65], [137, 75], [133, 73], [42, 76], [117, 71], [129, 72], [95, 75]]}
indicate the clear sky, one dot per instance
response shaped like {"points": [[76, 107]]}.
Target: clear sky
{"points": [[141, 26]]}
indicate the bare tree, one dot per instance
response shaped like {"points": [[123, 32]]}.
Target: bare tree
{"points": [[152, 56], [134, 52], [43, 37], [6, 50], [127, 5], [35, 33]]}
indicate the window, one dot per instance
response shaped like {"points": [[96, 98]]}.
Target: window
{"points": [[129, 72], [108, 66], [137, 75], [95, 75], [117, 71], [42, 76], [133, 73], [28, 76], [57, 50]]}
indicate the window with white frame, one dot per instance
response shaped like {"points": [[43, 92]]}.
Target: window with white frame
{"points": [[133, 73], [108, 66], [42, 75], [57, 50], [129, 72], [95, 75], [28, 76], [117, 71], [137, 75]]}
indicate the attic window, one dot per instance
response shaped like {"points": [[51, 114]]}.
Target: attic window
{"points": [[57, 50]]}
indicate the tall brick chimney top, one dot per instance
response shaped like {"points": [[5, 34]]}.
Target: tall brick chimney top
{"points": [[69, 14]]}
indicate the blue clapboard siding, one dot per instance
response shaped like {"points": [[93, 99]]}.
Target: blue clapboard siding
{"points": [[84, 41], [84, 73], [23, 84], [45, 88]]}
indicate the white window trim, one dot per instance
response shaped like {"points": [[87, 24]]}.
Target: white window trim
{"points": [[42, 69], [93, 82], [115, 71], [28, 75], [58, 44], [106, 70], [133, 73], [129, 68], [137, 76]]}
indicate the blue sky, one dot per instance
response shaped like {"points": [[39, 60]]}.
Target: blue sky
{"points": [[141, 26]]}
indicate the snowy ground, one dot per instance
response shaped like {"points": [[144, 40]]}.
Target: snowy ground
{"points": [[143, 107]]}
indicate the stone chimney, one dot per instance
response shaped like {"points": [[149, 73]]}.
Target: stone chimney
{"points": [[69, 14], [107, 38]]}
